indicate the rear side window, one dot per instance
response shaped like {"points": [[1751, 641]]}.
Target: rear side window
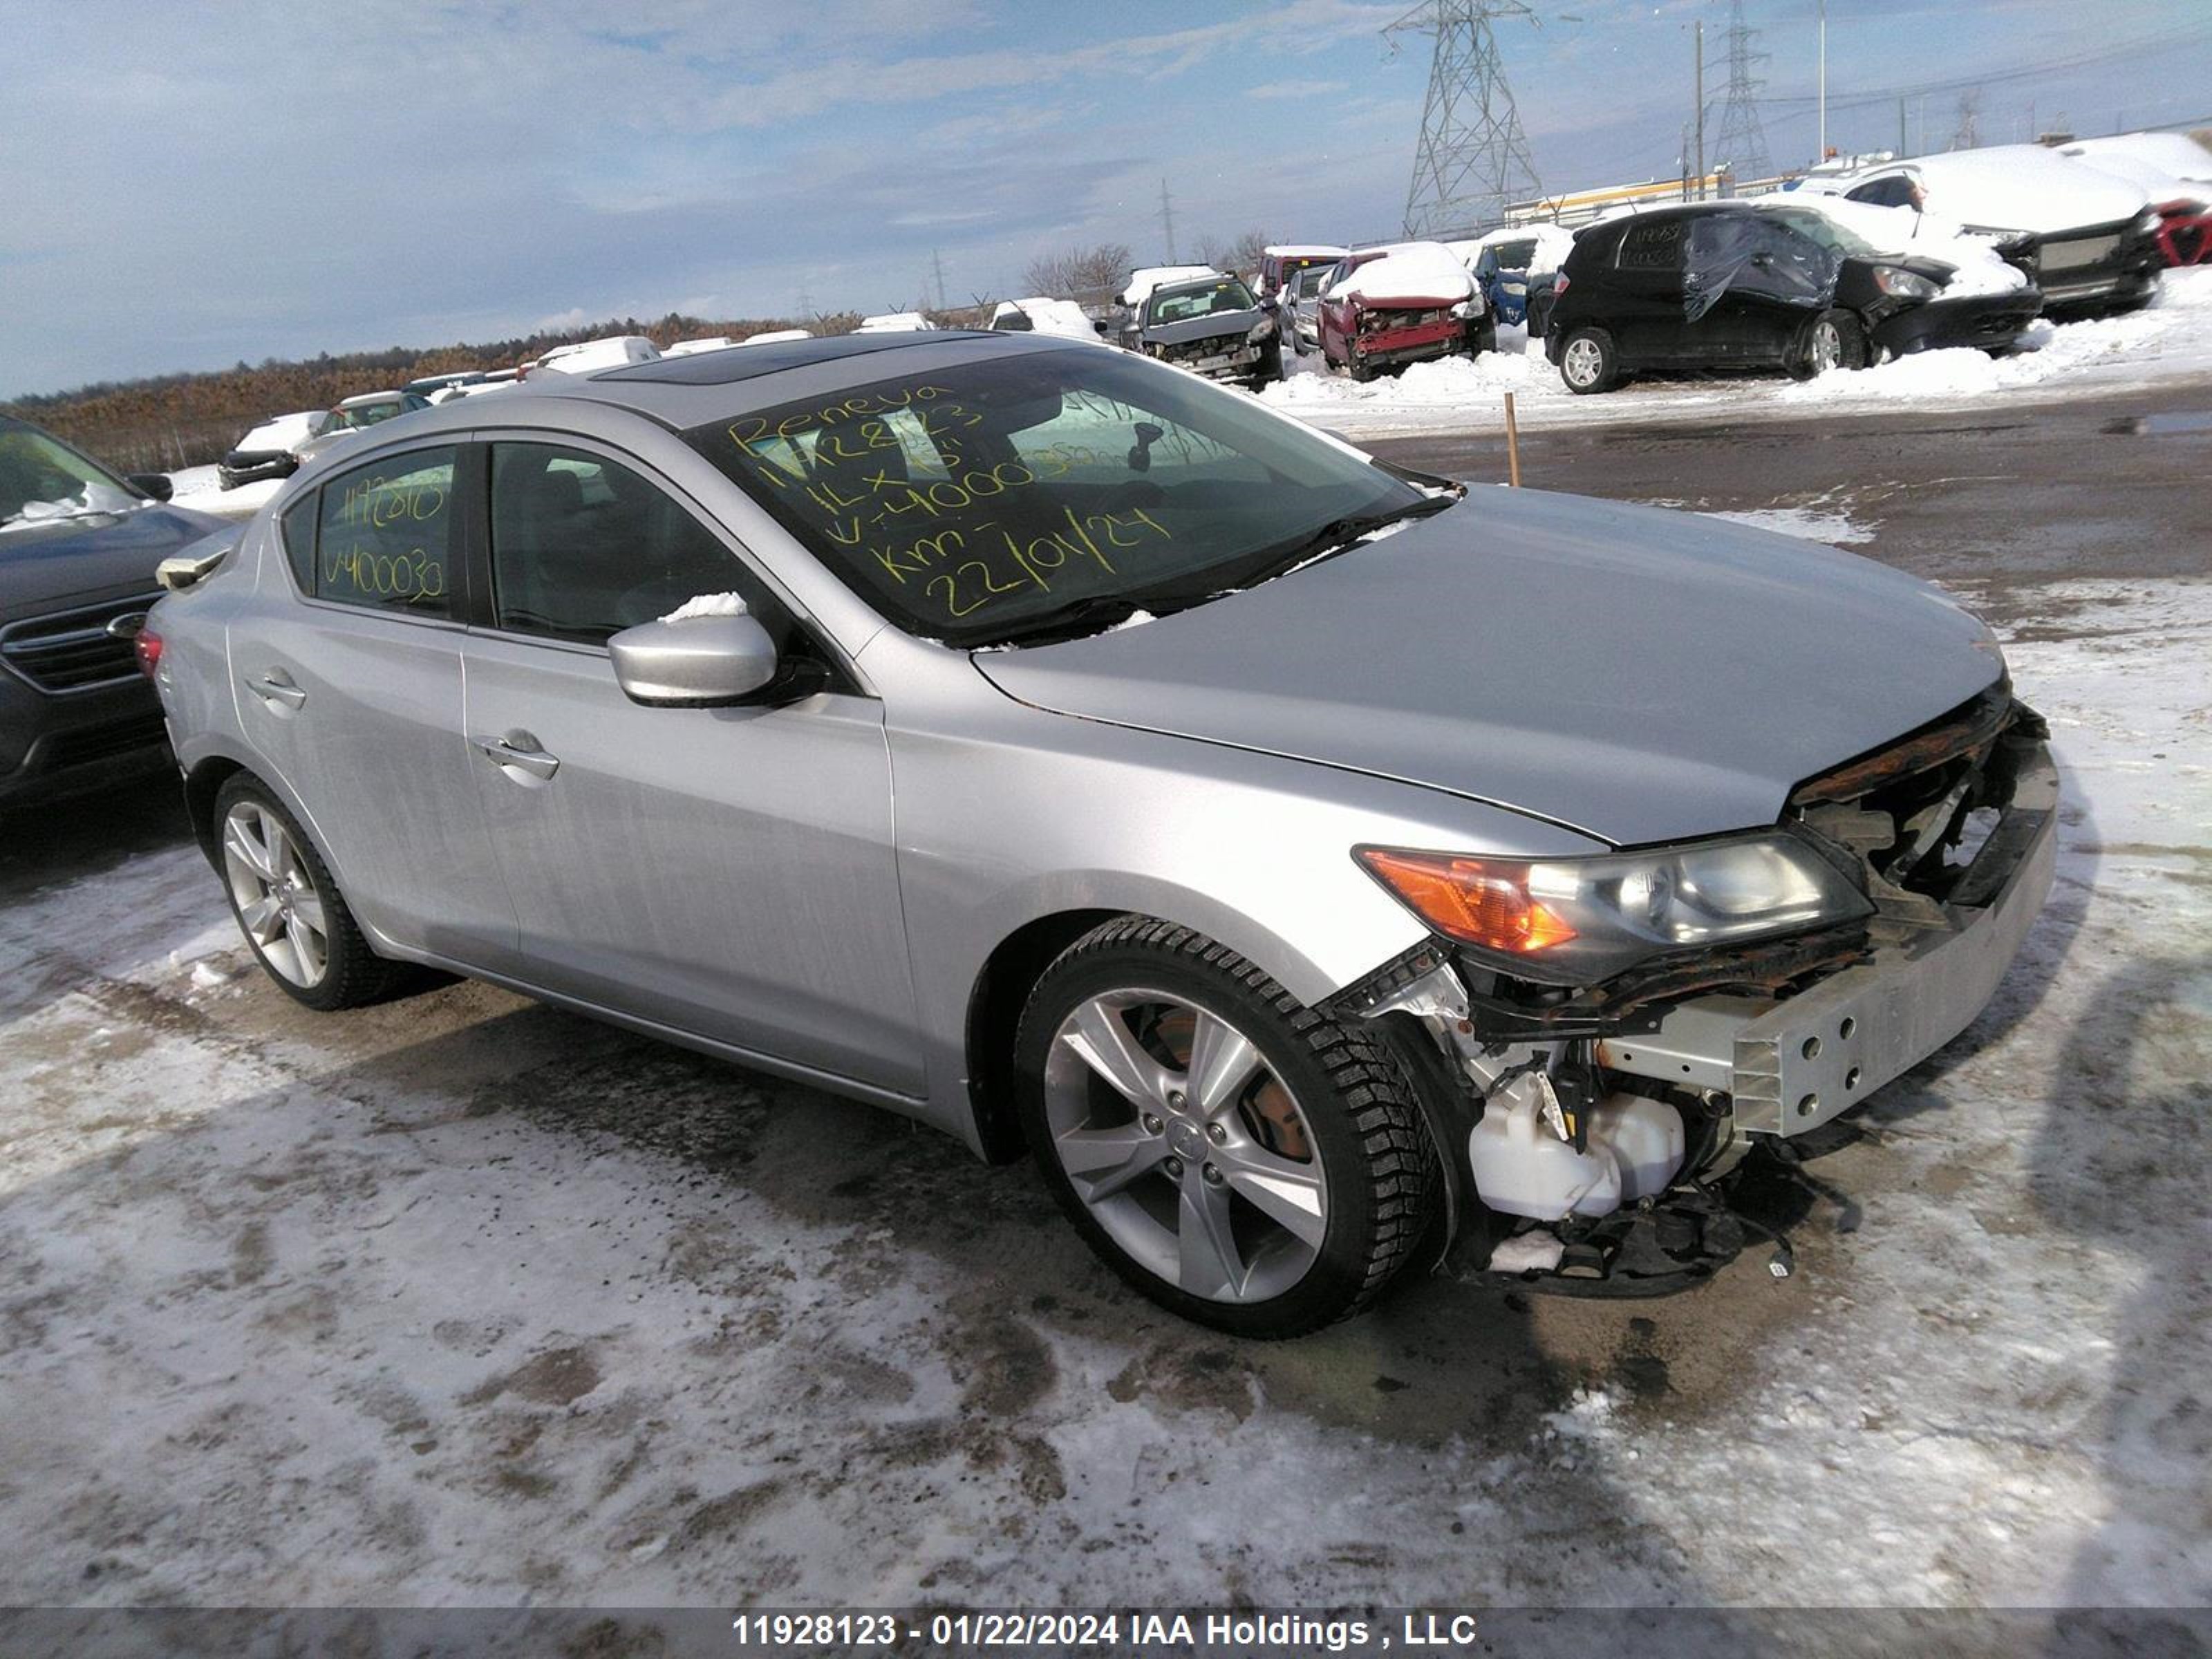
{"points": [[385, 539], [1653, 244], [1895, 190]]}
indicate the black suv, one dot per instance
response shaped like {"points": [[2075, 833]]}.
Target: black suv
{"points": [[1726, 285], [78, 546]]}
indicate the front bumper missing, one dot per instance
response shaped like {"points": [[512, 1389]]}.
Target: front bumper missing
{"points": [[1794, 1063]]}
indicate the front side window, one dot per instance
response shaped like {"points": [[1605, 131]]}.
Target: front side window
{"points": [[385, 537], [583, 547], [43, 479], [1002, 498]]}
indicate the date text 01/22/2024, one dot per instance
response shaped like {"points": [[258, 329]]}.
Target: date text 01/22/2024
{"points": [[853, 1630]]}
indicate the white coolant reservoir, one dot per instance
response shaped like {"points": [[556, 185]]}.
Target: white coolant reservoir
{"points": [[1522, 1168], [1645, 1139]]}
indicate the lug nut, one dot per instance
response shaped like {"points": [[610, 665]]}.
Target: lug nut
{"points": [[1174, 1167], [1175, 1099], [1152, 1124], [1217, 1135], [1212, 1175]]}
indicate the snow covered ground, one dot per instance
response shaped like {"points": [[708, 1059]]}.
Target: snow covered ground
{"points": [[2171, 338], [464, 1300], [201, 489]]}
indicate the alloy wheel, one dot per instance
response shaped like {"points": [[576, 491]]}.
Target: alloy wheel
{"points": [[1584, 362], [1185, 1145], [275, 892], [1827, 346]]}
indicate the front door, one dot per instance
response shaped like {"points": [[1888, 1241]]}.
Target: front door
{"points": [[729, 873]]}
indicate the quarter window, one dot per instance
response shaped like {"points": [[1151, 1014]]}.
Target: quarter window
{"points": [[298, 536], [582, 547], [385, 539], [1652, 245]]}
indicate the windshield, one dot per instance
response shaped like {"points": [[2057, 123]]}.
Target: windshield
{"points": [[1005, 497], [1824, 230], [1180, 305], [42, 478]]}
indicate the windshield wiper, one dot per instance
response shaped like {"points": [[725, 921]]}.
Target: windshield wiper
{"points": [[1341, 535]]}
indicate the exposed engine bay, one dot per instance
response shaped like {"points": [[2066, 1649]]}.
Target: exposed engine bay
{"points": [[1601, 1127]]}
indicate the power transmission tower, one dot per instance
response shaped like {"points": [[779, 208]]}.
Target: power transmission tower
{"points": [[936, 264], [1968, 136], [1167, 219], [1743, 141], [1474, 159]]}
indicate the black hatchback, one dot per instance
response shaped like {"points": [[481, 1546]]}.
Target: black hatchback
{"points": [[1730, 285]]}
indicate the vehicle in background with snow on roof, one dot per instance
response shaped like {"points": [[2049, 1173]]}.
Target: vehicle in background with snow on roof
{"points": [[1041, 314], [707, 343], [2175, 172], [589, 357], [895, 322], [1404, 302], [2088, 239], [1139, 288], [358, 414], [1281, 265], [1505, 262], [1212, 326], [270, 450], [1718, 286], [777, 336]]}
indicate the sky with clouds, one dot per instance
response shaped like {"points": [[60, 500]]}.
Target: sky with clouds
{"points": [[185, 186]]}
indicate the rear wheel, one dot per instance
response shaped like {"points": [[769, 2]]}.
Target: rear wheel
{"points": [[1231, 1153], [1587, 362], [288, 907], [1832, 340]]}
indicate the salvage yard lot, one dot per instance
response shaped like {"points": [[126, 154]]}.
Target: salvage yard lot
{"points": [[464, 1299]]}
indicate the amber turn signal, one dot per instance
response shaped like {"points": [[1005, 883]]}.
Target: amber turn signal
{"points": [[1470, 901]]}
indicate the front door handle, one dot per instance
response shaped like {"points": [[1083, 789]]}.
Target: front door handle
{"points": [[275, 689], [520, 751]]}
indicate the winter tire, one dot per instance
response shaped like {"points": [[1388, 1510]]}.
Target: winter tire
{"points": [[1235, 1156], [1587, 362], [288, 906]]}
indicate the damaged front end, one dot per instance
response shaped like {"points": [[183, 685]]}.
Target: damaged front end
{"points": [[1603, 1119]]}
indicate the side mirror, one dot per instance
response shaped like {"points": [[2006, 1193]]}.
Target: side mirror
{"points": [[700, 662], [155, 485]]}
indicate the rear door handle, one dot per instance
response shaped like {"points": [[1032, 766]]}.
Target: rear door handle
{"points": [[520, 751], [275, 688]]}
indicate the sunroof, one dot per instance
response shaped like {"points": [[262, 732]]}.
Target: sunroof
{"points": [[735, 364]]}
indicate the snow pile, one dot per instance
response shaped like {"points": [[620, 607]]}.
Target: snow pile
{"points": [[1063, 318], [1900, 232], [281, 431], [893, 322], [708, 604], [1142, 280], [1408, 271], [1537, 1249], [1441, 386], [2134, 155]]}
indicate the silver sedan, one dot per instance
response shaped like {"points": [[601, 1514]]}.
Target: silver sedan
{"points": [[1315, 867]]}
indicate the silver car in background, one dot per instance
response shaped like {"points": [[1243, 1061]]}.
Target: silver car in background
{"points": [[1311, 863]]}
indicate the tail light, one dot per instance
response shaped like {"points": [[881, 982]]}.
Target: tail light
{"points": [[147, 647], [1559, 287]]}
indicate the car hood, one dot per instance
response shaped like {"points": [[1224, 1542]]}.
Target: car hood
{"points": [[1204, 328], [1637, 674], [44, 565]]}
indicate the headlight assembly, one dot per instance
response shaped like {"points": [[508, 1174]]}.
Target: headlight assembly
{"points": [[1580, 922], [1260, 331], [1904, 284]]}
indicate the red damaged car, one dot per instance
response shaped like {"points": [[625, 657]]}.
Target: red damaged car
{"points": [[1384, 307]]}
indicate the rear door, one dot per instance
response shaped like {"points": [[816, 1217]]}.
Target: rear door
{"points": [[729, 873], [348, 681]]}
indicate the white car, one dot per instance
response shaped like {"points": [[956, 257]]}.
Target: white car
{"points": [[588, 356], [893, 322], [777, 336], [1040, 314], [709, 342], [2086, 237]]}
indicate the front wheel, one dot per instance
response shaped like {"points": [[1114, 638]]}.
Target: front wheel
{"points": [[1832, 340], [1587, 362], [1234, 1155]]}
